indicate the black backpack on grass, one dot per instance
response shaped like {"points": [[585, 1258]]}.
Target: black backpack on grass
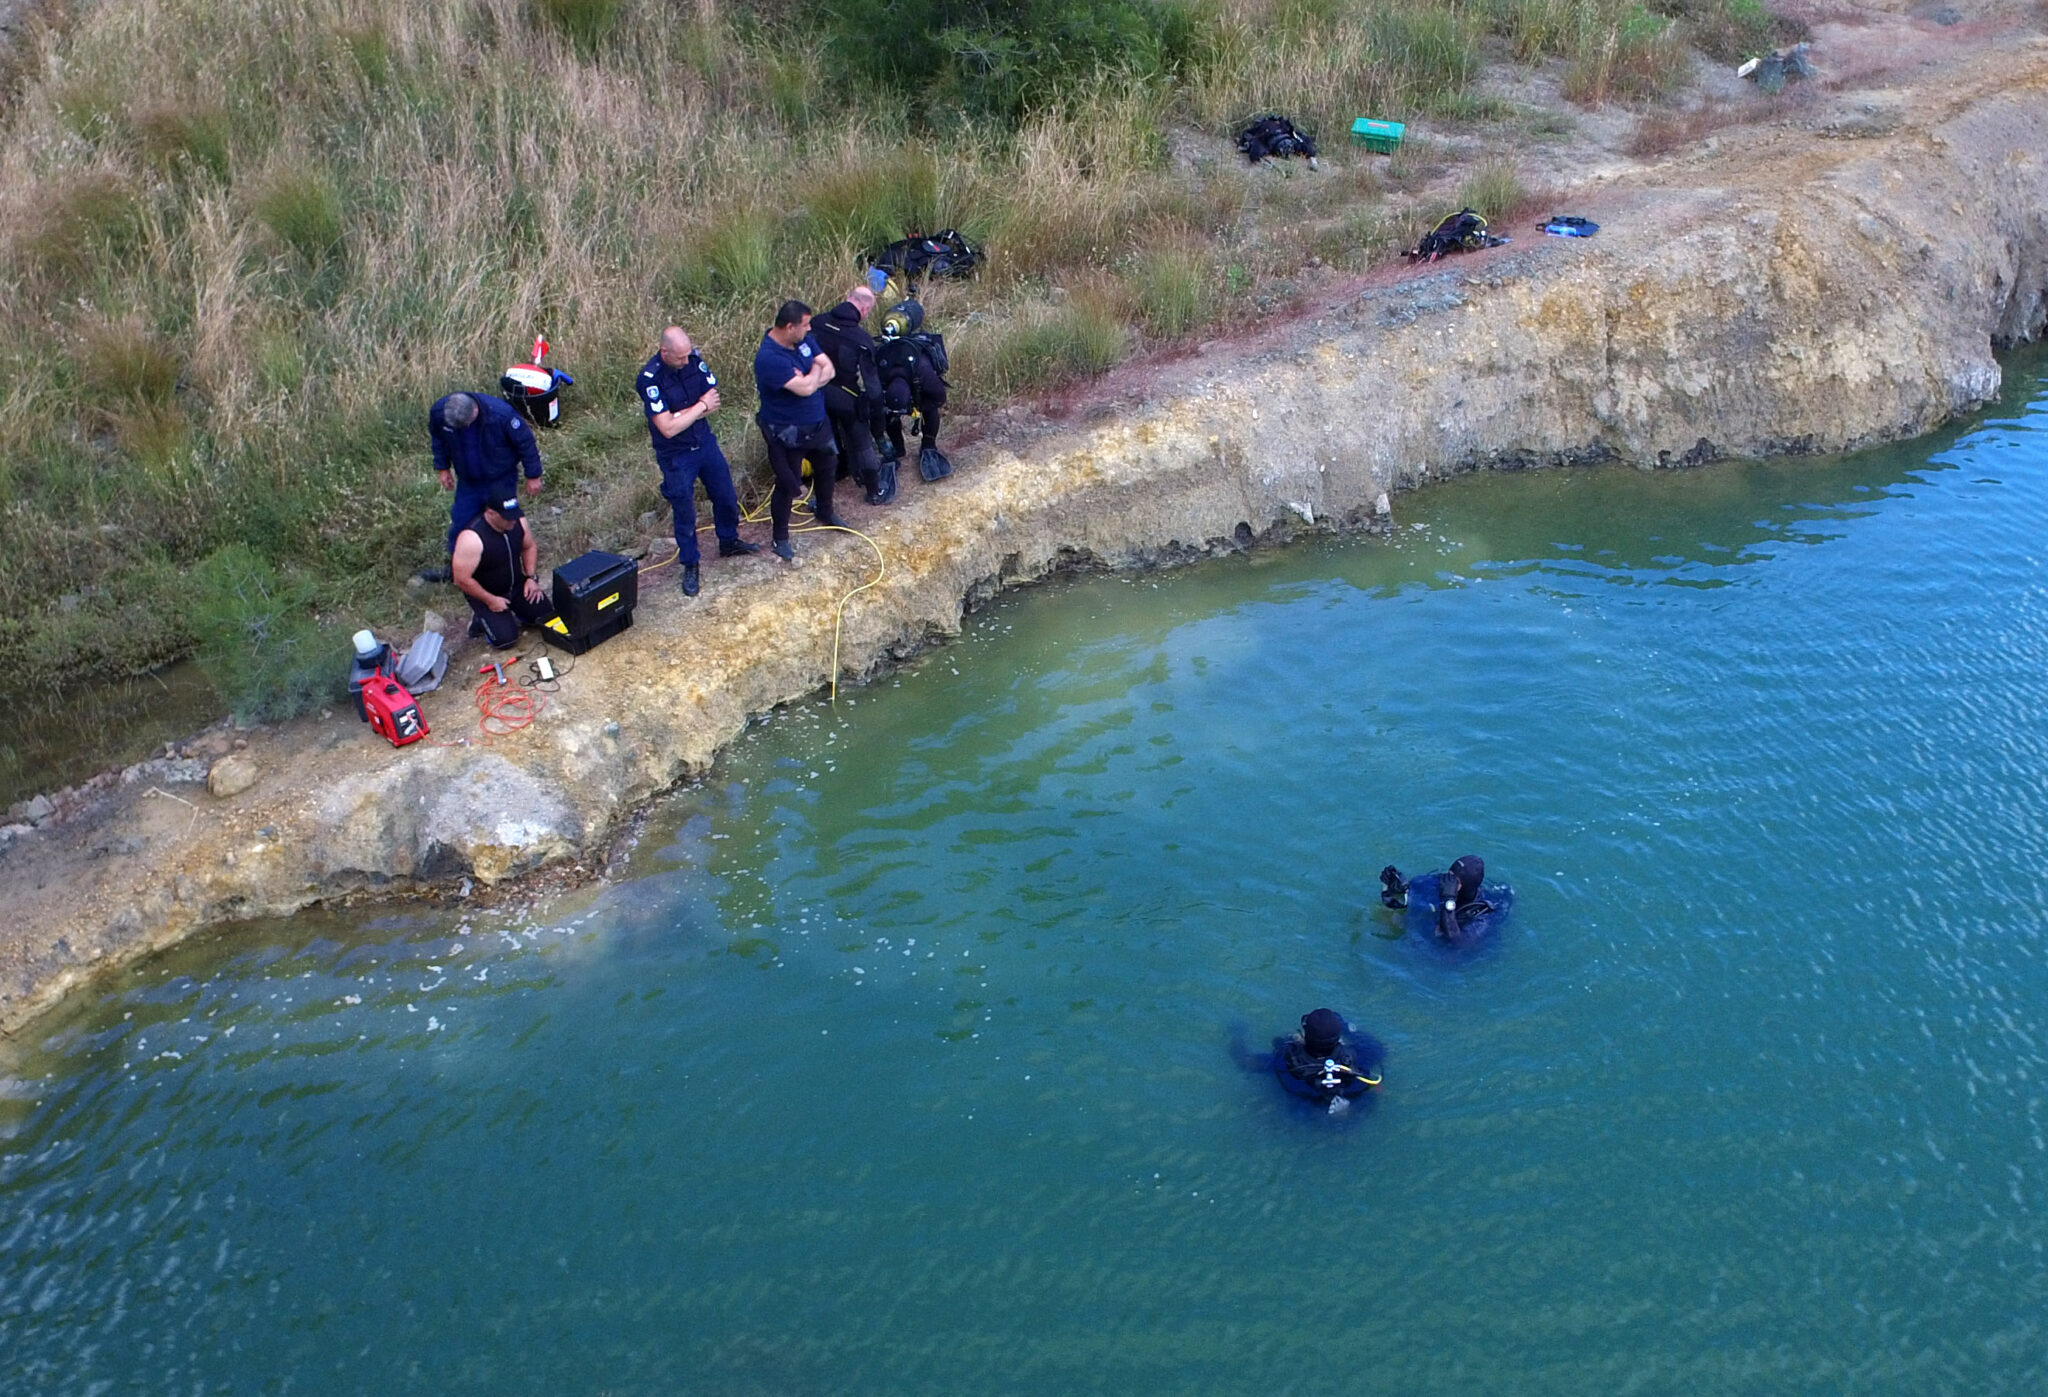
{"points": [[1463, 231], [944, 254], [1275, 136]]}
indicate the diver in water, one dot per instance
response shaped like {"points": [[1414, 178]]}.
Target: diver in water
{"points": [[1456, 898], [1323, 1064], [1326, 1062], [1459, 907]]}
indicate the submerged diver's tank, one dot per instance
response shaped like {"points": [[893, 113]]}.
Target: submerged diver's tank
{"points": [[1320, 1091]]}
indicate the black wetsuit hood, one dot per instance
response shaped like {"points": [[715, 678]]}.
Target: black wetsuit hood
{"points": [[1322, 1030]]}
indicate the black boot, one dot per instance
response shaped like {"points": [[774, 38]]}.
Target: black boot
{"points": [[736, 547], [690, 579]]}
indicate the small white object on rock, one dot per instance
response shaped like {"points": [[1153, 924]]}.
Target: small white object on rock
{"points": [[1306, 511], [1383, 506], [232, 775]]}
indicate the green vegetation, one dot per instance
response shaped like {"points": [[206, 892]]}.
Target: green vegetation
{"points": [[263, 650], [1494, 190], [233, 277]]}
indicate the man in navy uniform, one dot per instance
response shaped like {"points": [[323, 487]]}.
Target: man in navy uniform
{"points": [[678, 392], [480, 445], [791, 372]]}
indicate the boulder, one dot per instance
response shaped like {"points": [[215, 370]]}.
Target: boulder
{"points": [[441, 816], [232, 775]]}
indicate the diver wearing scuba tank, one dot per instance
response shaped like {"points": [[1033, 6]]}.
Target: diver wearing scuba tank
{"points": [[853, 402], [1318, 1063]]}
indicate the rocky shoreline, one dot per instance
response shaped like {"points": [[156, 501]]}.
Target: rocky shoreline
{"points": [[1793, 289]]}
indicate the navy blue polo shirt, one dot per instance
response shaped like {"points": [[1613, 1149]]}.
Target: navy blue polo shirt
{"points": [[665, 389], [775, 366]]}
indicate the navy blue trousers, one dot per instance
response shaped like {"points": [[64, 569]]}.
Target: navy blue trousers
{"points": [[680, 474]]}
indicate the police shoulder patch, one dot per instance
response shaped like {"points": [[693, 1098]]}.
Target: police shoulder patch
{"points": [[653, 393], [710, 379]]}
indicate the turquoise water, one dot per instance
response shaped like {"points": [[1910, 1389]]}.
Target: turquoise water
{"points": [[901, 1064]]}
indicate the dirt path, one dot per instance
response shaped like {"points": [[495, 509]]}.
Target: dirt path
{"points": [[1833, 278]]}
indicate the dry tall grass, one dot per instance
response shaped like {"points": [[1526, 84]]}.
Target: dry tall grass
{"points": [[233, 275]]}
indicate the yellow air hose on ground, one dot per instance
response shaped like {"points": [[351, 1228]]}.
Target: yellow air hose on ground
{"points": [[759, 514]]}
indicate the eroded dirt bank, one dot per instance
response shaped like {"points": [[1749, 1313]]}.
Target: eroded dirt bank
{"points": [[1808, 289]]}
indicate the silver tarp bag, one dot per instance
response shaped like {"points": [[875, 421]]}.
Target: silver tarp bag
{"points": [[424, 664]]}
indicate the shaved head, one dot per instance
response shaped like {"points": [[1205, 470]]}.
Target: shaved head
{"points": [[862, 297], [675, 347]]}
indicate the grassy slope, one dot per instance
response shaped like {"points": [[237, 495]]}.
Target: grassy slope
{"points": [[236, 271]]}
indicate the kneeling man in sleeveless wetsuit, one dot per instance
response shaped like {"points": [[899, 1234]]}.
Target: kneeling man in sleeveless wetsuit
{"points": [[494, 564]]}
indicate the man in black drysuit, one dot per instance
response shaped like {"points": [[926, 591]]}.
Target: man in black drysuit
{"points": [[911, 380], [853, 402]]}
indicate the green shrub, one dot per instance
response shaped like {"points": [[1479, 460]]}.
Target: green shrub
{"points": [[1494, 189], [181, 136], [1734, 30], [1433, 48], [124, 361], [737, 254], [1009, 61], [791, 82], [258, 638], [585, 23], [1171, 287], [1075, 341], [301, 206], [885, 193], [369, 48], [1636, 55], [83, 220], [91, 106], [154, 433]]}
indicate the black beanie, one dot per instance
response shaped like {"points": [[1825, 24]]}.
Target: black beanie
{"points": [[1321, 1030]]}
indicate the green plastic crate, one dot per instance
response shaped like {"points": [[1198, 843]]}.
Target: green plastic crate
{"points": [[1379, 137]]}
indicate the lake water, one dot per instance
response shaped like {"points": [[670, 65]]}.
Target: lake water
{"points": [[901, 1063]]}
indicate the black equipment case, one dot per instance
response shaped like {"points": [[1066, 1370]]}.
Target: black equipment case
{"points": [[594, 599]]}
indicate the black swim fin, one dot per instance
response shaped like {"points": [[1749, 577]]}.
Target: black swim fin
{"points": [[885, 484], [932, 464], [1393, 887]]}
